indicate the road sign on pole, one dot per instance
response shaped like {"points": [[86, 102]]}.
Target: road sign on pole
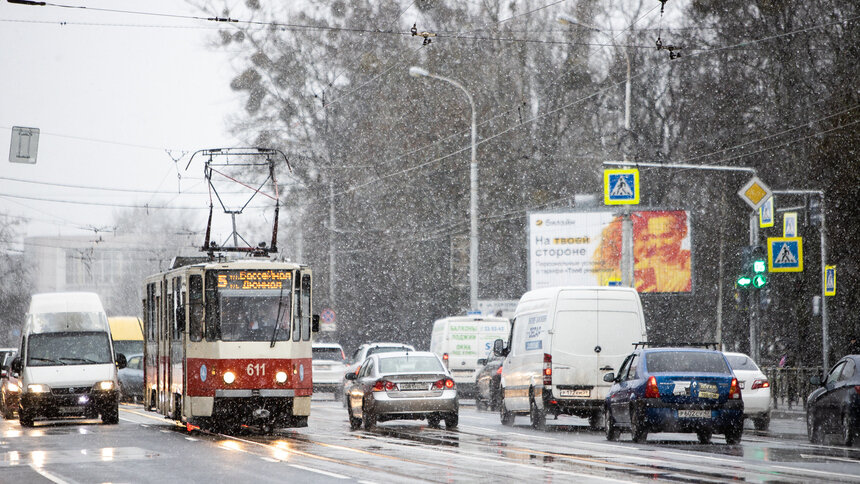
{"points": [[765, 213], [789, 224], [621, 187], [755, 193], [785, 254], [829, 280], [25, 145], [327, 318]]}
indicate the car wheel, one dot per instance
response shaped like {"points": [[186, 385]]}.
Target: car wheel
{"points": [[847, 430], [506, 417], [762, 423], [612, 431], [705, 436], [733, 434], [812, 429], [433, 421], [480, 405], [537, 415], [637, 427], [8, 412], [110, 415], [451, 421]]}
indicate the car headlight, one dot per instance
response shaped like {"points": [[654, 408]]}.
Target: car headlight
{"points": [[229, 377], [38, 388], [104, 385], [281, 377], [12, 387]]}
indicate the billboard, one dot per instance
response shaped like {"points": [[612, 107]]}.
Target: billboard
{"points": [[584, 249]]}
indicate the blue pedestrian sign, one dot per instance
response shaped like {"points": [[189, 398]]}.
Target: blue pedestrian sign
{"points": [[785, 254], [621, 187], [829, 280]]}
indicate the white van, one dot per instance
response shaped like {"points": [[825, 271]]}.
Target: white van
{"points": [[66, 362], [460, 341], [563, 340]]}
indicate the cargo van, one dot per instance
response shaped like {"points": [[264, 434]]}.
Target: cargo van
{"points": [[563, 340], [66, 362], [126, 332], [460, 341]]}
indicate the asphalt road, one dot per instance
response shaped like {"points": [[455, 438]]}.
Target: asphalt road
{"points": [[147, 448]]}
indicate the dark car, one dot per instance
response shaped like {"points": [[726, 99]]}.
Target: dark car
{"points": [[131, 379], [674, 390], [834, 407], [488, 382], [9, 389]]}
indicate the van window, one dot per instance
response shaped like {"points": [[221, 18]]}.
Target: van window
{"points": [[70, 348], [76, 321]]}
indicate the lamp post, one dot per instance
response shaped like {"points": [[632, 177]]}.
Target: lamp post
{"points": [[415, 71]]}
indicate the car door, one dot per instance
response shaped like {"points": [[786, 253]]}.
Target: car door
{"points": [[843, 390], [622, 391], [827, 404]]}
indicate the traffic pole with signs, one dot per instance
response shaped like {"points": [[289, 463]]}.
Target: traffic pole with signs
{"points": [[785, 254], [829, 280], [621, 187]]}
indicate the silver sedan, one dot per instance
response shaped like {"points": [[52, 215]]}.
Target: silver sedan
{"points": [[410, 385]]}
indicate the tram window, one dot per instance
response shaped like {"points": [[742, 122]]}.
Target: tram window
{"points": [[148, 320], [176, 314], [306, 307], [213, 313], [297, 320], [195, 297]]}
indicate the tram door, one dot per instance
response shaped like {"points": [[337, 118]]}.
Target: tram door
{"points": [[163, 349]]}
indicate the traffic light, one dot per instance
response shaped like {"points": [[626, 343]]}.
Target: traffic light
{"points": [[815, 211], [754, 269]]}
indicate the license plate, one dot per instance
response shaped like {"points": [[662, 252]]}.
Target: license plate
{"points": [[694, 413], [412, 386], [582, 393], [462, 372], [70, 409]]}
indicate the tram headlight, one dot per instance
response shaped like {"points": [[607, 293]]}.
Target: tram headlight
{"points": [[281, 377], [229, 377]]}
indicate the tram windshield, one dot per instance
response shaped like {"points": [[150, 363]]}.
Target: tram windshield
{"points": [[251, 315]]}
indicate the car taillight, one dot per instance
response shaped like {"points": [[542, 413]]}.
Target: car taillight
{"points": [[445, 383], [445, 359], [547, 369], [735, 390], [499, 371], [381, 385], [857, 389], [760, 384], [651, 390]]}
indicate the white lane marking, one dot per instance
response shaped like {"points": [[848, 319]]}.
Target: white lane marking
{"points": [[269, 459], [366, 482], [47, 475], [325, 473], [192, 439], [813, 471], [843, 459]]}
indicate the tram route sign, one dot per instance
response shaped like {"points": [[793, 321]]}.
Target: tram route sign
{"points": [[254, 279]]}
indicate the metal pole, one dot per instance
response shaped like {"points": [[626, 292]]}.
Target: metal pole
{"points": [[628, 274], [753, 299], [825, 337], [331, 231]]}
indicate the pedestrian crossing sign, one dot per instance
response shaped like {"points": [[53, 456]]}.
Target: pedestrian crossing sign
{"points": [[829, 280], [765, 213], [785, 254], [621, 187]]}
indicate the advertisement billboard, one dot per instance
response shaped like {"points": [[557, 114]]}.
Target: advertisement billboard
{"points": [[584, 249]]}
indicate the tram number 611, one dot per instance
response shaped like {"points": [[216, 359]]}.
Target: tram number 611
{"points": [[257, 369]]}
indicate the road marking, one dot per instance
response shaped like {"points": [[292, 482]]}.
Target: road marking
{"points": [[47, 475], [843, 459], [269, 459], [192, 439], [325, 473], [813, 471]]}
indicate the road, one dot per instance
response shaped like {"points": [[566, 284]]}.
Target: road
{"points": [[147, 448]]}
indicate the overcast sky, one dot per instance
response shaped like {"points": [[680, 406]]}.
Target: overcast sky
{"points": [[111, 94]]}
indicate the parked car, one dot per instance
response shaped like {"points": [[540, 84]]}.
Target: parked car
{"points": [[403, 385], [755, 387], [563, 340], [834, 407], [131, 379], [362, 353], [329, 365], [488, 382], [9, 388], [674, 390]]}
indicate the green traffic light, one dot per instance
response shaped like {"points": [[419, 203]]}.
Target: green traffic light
{"points": [[744, 281], [759, 266], [759, 280]]}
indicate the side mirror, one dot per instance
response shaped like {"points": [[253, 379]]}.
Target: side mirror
{"points": [[499, 348], [609, 377], [815, 380], [315, 323], [350, 376], [121, 362], [482, 361], [16, 365], [4, 373]]}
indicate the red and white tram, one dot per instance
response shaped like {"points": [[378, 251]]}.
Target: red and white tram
{"points": [[229, 343]]}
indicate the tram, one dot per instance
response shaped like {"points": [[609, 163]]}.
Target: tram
{"points": [[229, 343]]}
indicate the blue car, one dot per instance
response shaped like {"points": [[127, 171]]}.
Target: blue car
{"points": [[674, 390]]}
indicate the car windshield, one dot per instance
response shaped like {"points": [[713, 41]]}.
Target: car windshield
{"points": [[387, 349], [685, 362], [128, 347], [335, 354], [409, 364], [73, 348], [741, 362]]}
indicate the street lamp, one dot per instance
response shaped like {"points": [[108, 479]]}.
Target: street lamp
{"points": [[415, 71]]}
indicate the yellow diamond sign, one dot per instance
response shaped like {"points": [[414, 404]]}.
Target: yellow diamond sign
{"points": [[755, 193]]}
